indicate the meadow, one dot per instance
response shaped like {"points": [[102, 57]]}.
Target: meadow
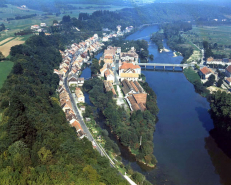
{"points": [[5, 68], [213, 34]]}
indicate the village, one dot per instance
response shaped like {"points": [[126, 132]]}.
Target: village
{"points": [[223, 74], [119, 70]]}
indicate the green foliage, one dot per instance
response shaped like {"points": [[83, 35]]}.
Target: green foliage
{"points": [[210, 81], [128, 128], [194, 78], [220, 103], [157, 38], [37, 145], [220, 82]]}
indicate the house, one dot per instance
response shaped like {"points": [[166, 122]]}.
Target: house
{"points": [[83, 108], [43, 24], [130, 87], [103, 69], [228, 71], [109, 87], [79, 95], [137, 101], [34, 27], [105, 39], [109, 75], [80, 81], [73, 80], [129, 71], [131, 55], [228, 81], [205, 72], [67, 106], [74, 123]]}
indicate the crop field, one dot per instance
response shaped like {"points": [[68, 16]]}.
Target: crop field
{"points": [[219, 34], [5, 48], [216, 34], [5, 68]]}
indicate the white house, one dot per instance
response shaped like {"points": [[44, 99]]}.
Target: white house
{"points": [[73, 80], [79, 95], [80, 81], [109, 75], [129, 71], [43, 24], [205, 72], [34, 27]]}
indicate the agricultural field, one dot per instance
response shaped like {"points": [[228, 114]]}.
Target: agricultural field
{"points": [[6, 46], [219, 35], [5, 68]]}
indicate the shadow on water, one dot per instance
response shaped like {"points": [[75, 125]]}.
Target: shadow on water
{"points": [[220, 160], [204, 118]]}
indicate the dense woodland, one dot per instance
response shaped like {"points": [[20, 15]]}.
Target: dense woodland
{"points": [[128, 128], [37, 145]]}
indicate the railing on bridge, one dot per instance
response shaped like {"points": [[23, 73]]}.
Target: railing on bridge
{"points": [[166, 65]]}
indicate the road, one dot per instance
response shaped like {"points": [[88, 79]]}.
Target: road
{"points": [[99, 148]]}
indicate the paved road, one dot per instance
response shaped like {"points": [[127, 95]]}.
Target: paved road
{"points": [[84, 127]]}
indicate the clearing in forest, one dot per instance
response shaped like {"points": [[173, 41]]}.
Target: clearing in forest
{"points": [[5, 49]]}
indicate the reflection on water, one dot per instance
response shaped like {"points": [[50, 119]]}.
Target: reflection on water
{"points": [[221, 161]]}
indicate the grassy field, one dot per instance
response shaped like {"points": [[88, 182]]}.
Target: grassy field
{"points": [[216, 34], [219, 34], [5, 68]]}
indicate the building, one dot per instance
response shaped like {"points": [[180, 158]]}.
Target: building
{"points": [[129, 71], [205, 72], [73, 80], [137, 101], [130, 87], [131, 56], [80, 81], [228, 71], [43, 24], [228, 81], [109, 75], [109, 87], [79, 95], [34, 27]]}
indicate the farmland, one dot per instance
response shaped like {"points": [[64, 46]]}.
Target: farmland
{"points": [[216, 35], [5, 48], [5, 68]]}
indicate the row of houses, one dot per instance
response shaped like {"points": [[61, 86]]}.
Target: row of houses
{"points": [[122, 66]]}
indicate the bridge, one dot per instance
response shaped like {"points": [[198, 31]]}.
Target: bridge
{"points": [[145, 65]]}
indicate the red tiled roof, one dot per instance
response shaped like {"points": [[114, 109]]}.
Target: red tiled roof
{"points": [[129, 66], [206, 70], [76, 125], [229, 68], [210, 59], [140, 98], [228, 79]]}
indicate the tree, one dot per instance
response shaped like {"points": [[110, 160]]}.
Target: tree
{"points": [[55, 22], [210, 81], [2, 57], [220, 82], [138, 177]]}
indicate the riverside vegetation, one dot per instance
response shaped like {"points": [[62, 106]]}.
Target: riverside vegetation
{"points": [[128, 128]]}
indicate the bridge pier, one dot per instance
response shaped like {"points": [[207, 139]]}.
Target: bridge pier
{"points": [[164, 68], [173, 68]]}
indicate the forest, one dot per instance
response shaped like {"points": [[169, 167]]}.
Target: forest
{"points": [[37, 145], [130, 129]]}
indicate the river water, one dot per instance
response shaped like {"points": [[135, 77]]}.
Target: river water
{"points": [[186, 153]]}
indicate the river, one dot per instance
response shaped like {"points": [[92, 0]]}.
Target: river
{"points": [[186, 153]]}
